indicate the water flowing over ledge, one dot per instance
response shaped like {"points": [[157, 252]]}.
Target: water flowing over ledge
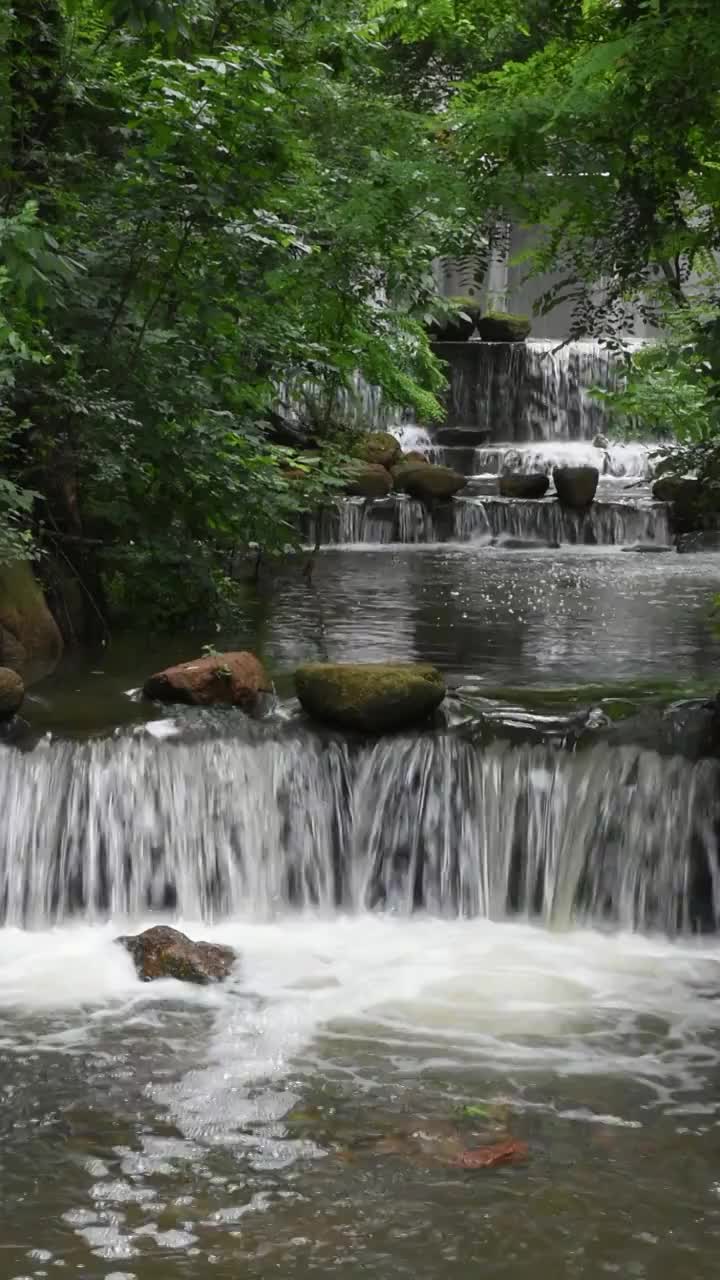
{"points": [[397, 519], [523, 391], [216, 828]]}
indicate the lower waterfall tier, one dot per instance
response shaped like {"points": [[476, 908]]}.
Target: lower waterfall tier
{"points": [[403, 520], [219, 827]]}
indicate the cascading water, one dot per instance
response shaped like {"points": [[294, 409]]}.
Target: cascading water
{"points": [[356, 521], [632, 461], [603, 524], [252, 825], [538, 390]]}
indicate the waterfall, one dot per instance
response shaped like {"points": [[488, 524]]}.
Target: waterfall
{"points": [[398, 519], [603, 524], [517, 391], [282, 817], [629, 461]]}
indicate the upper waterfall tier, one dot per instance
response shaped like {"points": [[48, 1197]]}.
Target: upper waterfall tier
{"points": [[518, 391], [226, 826]]}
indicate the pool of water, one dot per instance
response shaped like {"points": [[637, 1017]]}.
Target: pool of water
{"points": [[484, 615], [309, 1118]]}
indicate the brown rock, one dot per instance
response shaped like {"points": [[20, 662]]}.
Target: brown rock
{"points": [[12, 692], [233, 679], [427, 481], [163, 952]]}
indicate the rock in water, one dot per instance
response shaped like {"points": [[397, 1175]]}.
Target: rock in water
{"points": [[369, 480], [163, 952], [502, 326], [378, 447], [576, 486], [234, 679], [515, 485], [427, 481], [370, 697], [30, 640], [12, 692]]}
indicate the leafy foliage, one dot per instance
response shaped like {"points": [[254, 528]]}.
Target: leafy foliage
{"points": [[202, 203]]}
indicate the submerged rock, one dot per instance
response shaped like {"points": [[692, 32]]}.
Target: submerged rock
{"points": [[234, 679], [369, 480], [162, 952], [378, 447], [12, 692], [576, 486], [535, 484], [427, 481], [370, 697], [702, 540]]}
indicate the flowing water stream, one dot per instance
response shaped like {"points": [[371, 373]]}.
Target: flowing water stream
{"points": [[443, 941]]}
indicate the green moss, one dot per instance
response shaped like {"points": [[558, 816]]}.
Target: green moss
{"points": [[369, 480], [618, 699], [371, 697], [503, 326], [377, 447]]}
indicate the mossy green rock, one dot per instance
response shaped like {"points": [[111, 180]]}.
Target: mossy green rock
{"points": [[369, 480], [377, 447], [502, 326], [427, 481], [30, 639], [370, 697], [12, 692]]}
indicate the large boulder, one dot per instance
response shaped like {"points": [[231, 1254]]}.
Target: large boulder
{"points": [[370, 697], [576, 486], [378, 447], [12, 692], [234, 679], [515, 484], [369, 480], [501, 326], [689, 506], [30, 639], [427, 481], [162, 952]]}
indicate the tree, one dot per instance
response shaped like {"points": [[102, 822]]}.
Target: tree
{"points": [[203, 202]]}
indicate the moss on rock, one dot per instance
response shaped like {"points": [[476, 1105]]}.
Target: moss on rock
{"points": [[30, 639], [369, 480], [370, 697], [427, 481], [12, 692], [377, 447], [503, 326]]}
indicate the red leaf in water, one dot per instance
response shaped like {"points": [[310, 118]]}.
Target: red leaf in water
{"points": [[488, 1157]]}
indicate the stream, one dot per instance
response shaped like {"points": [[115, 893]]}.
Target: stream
{"points": [[441, 946]]}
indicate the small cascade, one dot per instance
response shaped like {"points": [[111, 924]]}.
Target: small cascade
{"points": [[397, 519], [631, 461], [603, 524], [249, 826], [517, 391]]}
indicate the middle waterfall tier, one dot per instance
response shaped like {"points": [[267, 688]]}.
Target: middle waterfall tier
{"points": [[397, 519]]}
